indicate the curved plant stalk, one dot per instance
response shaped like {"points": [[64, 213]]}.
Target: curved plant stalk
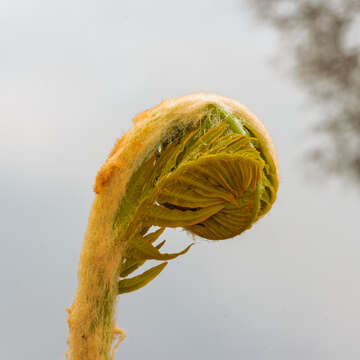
{"points": [[201, 162]]}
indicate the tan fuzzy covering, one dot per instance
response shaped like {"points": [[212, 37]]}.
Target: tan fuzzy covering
{"points": [[151, 127]]}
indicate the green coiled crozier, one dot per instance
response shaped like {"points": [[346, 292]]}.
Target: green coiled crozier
{"points": [[201, 162]]}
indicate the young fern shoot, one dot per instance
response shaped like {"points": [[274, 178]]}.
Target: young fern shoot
{"points": [[201, 162]]}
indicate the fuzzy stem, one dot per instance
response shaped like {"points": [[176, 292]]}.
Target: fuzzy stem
{"points": [[91, 319]]}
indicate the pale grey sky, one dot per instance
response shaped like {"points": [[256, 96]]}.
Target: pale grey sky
{"points": [[72, 76]]}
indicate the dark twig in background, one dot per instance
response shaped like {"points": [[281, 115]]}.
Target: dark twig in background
{"points": [[323, 38]]}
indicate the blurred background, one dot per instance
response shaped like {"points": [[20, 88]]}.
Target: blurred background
{"points": [[74, 74]]}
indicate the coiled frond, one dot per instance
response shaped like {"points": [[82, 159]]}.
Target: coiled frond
{"points": [[201, 162], [211, 180]]}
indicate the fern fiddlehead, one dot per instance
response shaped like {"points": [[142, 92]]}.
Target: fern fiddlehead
{"points": [[201, 162]]}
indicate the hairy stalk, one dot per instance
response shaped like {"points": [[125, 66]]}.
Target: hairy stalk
{"points": [[201, 162]]}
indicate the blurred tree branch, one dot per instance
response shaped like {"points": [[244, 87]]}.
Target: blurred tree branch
{"points": [[320, 35]]}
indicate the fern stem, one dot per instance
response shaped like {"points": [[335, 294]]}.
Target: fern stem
{"points": [[91, 319]]}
